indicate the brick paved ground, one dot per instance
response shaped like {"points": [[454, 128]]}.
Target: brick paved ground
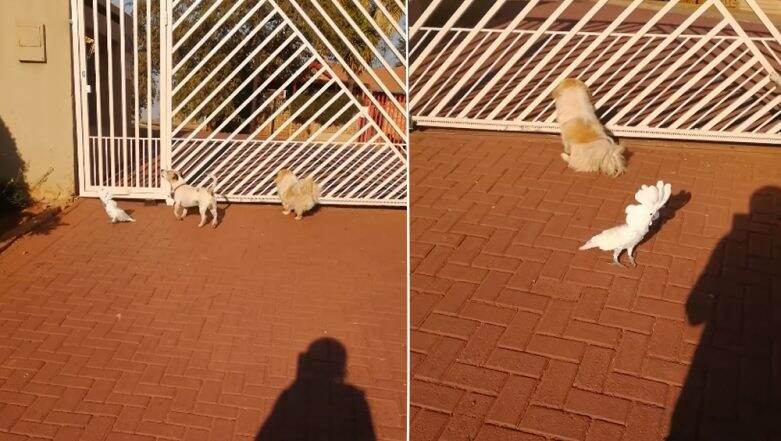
{"points": [[162, 331], [516, 335]]}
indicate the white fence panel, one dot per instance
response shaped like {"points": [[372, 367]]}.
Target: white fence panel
{"points": [[241, 89], [655, 69]]}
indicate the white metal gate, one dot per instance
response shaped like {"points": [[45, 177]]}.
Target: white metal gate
{"points": [[240, 89], [662, 69]]}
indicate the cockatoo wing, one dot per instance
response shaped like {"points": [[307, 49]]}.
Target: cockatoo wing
{"points": [[609, 239], [666, 193], [639, 216]]}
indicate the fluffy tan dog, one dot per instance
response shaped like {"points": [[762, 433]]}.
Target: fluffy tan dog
{"points": [[296, 195], [587, 147]]}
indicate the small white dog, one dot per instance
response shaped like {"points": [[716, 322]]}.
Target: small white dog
{"points": [[587, 147], [186, 196], [115, 213], [296, 195]]}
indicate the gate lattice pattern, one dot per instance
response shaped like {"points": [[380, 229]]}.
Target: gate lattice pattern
{"points": [[656, 69], [240, 89]]}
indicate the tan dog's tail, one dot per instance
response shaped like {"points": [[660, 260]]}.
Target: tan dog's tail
{"points": [[309, 186], [210, 188], [613, 163]]}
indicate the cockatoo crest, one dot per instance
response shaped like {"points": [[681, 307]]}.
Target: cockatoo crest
{"points": [[654, 197]]}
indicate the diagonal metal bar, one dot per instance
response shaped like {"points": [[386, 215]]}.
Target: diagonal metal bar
{"points": [[463, 44], [186, 13], [402, 60], [655, 51], [437, 38], [584, 20], [368, 94], [378, 56], [514, 59], [205, 37], [423, 17], [227, 59], [708, 99], [735, 103], [686, 87], [230, 76], [251, 97], [772, 104], [665, 75], [367, 67], [196, 25]]}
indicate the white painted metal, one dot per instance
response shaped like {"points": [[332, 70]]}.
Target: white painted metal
{"points": [[241, 89], [655, 69]]}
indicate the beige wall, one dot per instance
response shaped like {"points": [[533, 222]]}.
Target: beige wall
{"points": [[36, 102], [771, 8]]}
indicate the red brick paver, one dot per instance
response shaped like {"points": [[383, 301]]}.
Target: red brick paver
{"points": [[159, 330], [517, 335]]}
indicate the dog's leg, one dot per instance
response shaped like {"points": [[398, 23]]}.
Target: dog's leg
{"points": [[616, 256], [566, 145], [285, 209], [202, 210], [631, 257], [298, 215], [565, 157], [214, 213], [177, 208]]}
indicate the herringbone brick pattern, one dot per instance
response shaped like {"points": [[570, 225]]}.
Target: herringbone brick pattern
{"points": [[517, 335], [159, 330]]}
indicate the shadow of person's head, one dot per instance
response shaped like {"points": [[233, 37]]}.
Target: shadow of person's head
{"points": [[324, 360], [320, 404], [766, 202], [730, 266]]}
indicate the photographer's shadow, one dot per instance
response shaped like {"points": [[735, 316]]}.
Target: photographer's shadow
{"points": [[733, 388], [319, 405]]}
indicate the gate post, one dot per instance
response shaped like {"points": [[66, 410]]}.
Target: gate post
{"points": [[165, 93], [79, 91]]}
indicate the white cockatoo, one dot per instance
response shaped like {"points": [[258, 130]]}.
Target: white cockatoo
{"points": [[638, 220], [115, 213]]}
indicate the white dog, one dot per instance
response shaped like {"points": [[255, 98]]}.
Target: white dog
{"points": [[296, 195], [112, 209], [587, 147], [186, 196]]}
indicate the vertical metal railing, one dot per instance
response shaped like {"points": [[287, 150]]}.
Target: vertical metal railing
{"points": [[240, 89]]}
